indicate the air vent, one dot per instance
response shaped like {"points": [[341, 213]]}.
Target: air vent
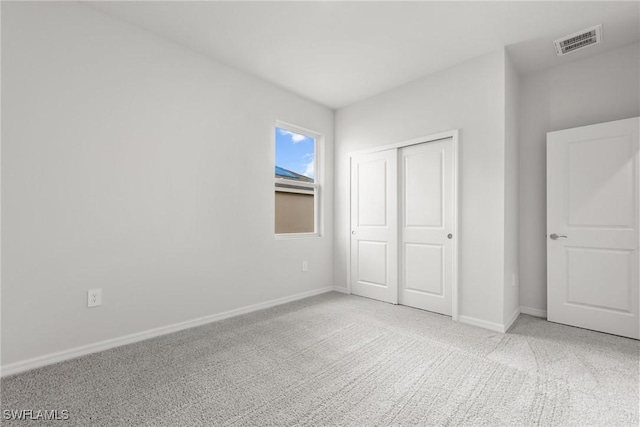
{"points": [[578, 40]]}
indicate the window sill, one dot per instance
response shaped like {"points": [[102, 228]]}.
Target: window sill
{"points": [[294, 236]]}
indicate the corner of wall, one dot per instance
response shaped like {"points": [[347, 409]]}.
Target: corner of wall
{"points": [[511, 301]]}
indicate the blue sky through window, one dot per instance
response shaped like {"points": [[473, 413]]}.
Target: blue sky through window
{"points": [[295, 152]]}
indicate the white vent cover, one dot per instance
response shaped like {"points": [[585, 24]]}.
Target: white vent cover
{"points": [[578, 40]]}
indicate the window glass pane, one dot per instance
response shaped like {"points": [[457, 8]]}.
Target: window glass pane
{"points": [[295, 156], [295, 198], [294, 212]]}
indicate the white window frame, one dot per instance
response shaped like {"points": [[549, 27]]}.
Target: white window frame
{"points": [[302, 187]]}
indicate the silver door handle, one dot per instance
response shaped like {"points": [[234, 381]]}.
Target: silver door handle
{"points": [[555, 236], [353, 232]]}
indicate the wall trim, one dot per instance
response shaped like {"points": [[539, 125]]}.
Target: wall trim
{"points": [[492, 326], [533, 311], [512, 319], [341, 289], [60, 356]]}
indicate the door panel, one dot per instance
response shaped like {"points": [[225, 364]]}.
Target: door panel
{"points": [[589, 268], [423, 189], [374, 233], [372, 262], [601, 176], [372, 187], [592, 199], [426, 200], [424, 268]]}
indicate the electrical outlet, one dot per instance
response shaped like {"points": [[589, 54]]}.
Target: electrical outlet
{"points": [[94, 297], [305, 266]]}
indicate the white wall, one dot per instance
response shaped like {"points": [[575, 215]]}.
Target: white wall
{"points": [[469, 97], [511, 271], [123, 157], [598, 89]]}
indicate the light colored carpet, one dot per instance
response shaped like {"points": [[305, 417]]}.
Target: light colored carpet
{"points": [[343, 360]]}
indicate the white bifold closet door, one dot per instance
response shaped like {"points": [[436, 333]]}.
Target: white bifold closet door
{"points": [[593, 236], [402, 220]]}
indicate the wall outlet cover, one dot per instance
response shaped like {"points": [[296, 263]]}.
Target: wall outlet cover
{"points": [[94, 297]]}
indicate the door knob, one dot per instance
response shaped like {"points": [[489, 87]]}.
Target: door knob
{"points": [[353, 232], [449, 236], [555, 236]]}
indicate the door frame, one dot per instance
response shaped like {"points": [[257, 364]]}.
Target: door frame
{"points": [[453, 134]]}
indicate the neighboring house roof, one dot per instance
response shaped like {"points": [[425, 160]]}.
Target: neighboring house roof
{"points": [[287, 174]]}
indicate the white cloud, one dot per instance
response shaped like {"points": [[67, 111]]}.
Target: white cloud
{"points": [[310, 169], [295, 137]]}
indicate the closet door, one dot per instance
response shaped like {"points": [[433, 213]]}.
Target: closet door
{"points": [[374, 232], [593, 236], [426, 225]]}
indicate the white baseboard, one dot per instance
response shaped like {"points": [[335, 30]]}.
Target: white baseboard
{"points": [[512, 319], [49, 359], [340, 289], [533, 312], [492, 326], [482, 323]]}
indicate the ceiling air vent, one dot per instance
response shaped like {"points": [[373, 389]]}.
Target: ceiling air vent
{"points": [[578, 40]]}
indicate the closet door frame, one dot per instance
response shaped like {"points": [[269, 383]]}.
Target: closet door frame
{"points": [[453, 135]]}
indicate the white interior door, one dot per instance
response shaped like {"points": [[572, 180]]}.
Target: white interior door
{"points": [[426, 226], [592, 227], [374, 232]]}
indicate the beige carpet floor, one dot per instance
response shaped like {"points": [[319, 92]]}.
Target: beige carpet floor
{"points": [[336, 360]]}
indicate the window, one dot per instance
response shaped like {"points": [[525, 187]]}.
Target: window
{"points": [[297, 188]]}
